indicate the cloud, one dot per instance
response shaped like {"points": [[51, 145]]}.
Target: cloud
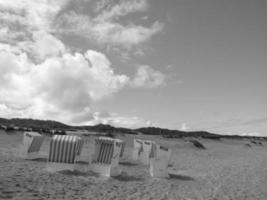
{"points": [[28, 26], [252, 134], [106, 32], [117, 120], [121, 9], [148, 77], [184, 127], [61, 87], [41, 78], [106, 27], [35, 15], [22, 17], [46, 45], [126, 36]]}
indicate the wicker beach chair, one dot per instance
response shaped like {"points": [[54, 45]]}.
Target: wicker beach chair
{"points": [[106, 156], [159, 160], [63, 152], [32, 142]]}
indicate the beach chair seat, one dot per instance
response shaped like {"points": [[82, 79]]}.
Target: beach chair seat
{"points": [[106, 156], [159, 160], [32, 142], [63, 152]]}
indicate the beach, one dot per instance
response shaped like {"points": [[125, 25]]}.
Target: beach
{"points": [[226, 169]]}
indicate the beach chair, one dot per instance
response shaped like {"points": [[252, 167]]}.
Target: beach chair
{"points": [[63, 152], [32, 142], [137, 149], [106, 156], [145, 152], [159, 159]]}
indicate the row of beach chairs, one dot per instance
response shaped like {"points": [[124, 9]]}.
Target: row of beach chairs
{"points": [[65, 151]]}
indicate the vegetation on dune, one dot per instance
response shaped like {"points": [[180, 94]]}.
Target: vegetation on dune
{"points": [[54, 127]]}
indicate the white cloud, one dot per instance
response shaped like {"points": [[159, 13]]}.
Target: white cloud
{"points": [[106, 32], [41, 78], [28, 25], [36, 15], [121, 9], [184, 127], [106, 29], [148, 77], [117, 120], [46, 45], [61, 87], [251, 134], [126, 36]]}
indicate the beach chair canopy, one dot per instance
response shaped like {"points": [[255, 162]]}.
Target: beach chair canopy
{"points": [[64, 148], [106, 149]]}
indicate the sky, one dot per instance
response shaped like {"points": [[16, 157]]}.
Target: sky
{"points": [[176, 64]]}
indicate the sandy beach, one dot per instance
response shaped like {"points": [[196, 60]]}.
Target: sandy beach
{"points": [[227, 169]]}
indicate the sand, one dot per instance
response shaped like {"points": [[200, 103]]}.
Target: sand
{"points": [[227, 169]]}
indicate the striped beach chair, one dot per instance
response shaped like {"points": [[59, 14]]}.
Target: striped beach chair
{"points": [[106, 156], [146, 151], [63, 152], [137, 149], [32, 142], [159, 159]]}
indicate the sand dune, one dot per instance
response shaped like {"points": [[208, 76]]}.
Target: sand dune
{"points": [[227, 170]]}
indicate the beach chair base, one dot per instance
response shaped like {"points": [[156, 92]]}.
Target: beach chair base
{"points": [[55, 167], [158, 168], [135, 154], [22, 153], [101, 169], [32, 156], [144, 158], [106, 170]]}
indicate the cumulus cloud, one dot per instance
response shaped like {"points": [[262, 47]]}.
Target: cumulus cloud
{"points": [[41, 78], [148, 77], [62, 87], [46, 45]]}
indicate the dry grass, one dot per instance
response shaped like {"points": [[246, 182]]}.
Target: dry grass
{"points": [[226, 170]]}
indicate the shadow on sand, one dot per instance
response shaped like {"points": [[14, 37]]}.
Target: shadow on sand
{"points": [[181, 177], [126, 177], [38, 160], [128, 163], [80, 162], [79, 173]]}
